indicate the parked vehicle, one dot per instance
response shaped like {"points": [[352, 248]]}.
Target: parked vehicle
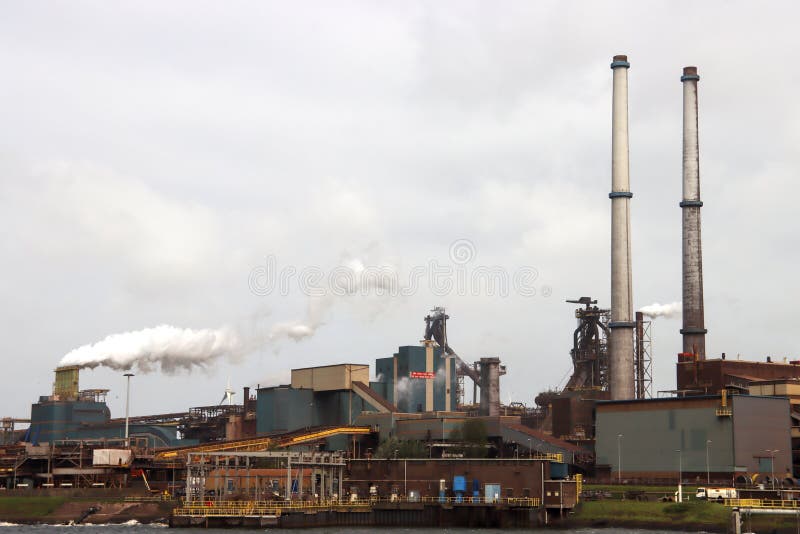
{"points": [[716, 493]]}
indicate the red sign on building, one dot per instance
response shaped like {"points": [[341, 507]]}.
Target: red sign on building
{"points": [[422, 374]]}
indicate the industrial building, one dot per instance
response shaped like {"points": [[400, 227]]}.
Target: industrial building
{"points": [[717, 437], [418, 379], [317, 396], [74, 414], [701, 377], [728, 419]]}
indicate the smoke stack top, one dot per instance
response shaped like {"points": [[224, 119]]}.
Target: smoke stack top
{"points": [[164, 347]]}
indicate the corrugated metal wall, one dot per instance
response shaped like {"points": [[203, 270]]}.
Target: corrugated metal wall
{"points": [[651, 438], [653, 432], [760, 426]]}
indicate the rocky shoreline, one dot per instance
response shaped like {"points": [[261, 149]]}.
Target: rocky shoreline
{"points": [[97, 513]]}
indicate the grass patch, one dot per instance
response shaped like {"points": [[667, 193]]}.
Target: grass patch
{"points": [[24, 507], [620, 488], [676, 509], [617, 512]]}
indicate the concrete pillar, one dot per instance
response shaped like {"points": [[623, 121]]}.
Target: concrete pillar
{"points": [[490, 387], [448, 362], [428, 382]]}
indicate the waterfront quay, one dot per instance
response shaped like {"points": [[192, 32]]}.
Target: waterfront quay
{"points": [[424, 512]]}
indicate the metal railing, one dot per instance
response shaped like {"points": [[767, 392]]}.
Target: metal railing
{"points": [[763, 503], [149, 498], [275, 508], [531, 502], [262, 443]]}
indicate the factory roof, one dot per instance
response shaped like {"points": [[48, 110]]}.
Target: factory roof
{"points": [[331, 365], [686, 399]]}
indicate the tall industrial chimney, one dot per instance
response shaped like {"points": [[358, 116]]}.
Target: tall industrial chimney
{"points": [[694, 331], [621, 324]]}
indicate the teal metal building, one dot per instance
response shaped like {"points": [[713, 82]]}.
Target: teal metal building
{"points": [[84, 419], [329, 395], [417, 379]]}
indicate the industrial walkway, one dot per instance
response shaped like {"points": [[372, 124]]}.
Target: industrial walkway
{"points": [[262, 443], [371, 396], [537, 442]]}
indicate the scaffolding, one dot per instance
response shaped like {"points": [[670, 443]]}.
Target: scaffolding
{"points": [[252, 476], [643, 358]]}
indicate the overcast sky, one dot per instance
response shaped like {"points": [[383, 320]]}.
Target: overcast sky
{"points": [[154, 155]]}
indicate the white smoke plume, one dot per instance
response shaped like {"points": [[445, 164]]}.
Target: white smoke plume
{"points": [[441, 375], [292, 330], [299, 330], [403, 386], [662, 310], [164, 347], [352, 279]]}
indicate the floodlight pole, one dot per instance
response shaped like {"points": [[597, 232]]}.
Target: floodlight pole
{"points": [[127, 405]]}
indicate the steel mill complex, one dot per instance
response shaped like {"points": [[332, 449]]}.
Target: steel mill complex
{"points": [[429, 433]]}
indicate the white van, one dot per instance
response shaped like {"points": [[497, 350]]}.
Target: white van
{"points": [[716, 493]]}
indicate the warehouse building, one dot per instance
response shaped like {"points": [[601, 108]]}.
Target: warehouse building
{"points": [[694, 438], [74, 414], [318, 396], [417, 379]]}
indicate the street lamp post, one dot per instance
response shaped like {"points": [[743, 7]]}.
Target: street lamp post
{"points": [[772, 465], [530, 454], [127, 405], [708, 470], [680, 474], [619, 457]]}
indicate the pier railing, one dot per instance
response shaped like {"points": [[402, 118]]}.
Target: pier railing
{"points": [[763, 503], [276, 508]]}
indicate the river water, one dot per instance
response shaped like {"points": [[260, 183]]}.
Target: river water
{"points": [[135, 528]]}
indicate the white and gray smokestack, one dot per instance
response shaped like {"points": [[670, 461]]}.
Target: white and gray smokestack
{"points": [[621, 350], [694, 331]]}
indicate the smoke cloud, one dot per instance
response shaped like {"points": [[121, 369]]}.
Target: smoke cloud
{"points": [[164, 347], [292, 330], [352, 279], [662, 310], [300, 330], [171, 349]]}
